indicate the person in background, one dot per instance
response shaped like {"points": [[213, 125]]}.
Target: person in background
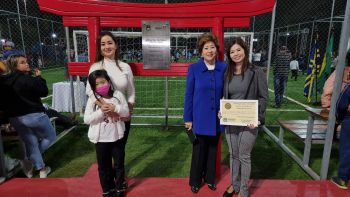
{"points": [[343, 116], [256, 57], [68, 58], [280, 73], [294, 68], [26, 112], [334, 61], [328, 90], [302, 63], [8, 50], [122, 79], [10, 163], [106, 130], [62, 120], [243, 81], [329, 84], [204, 86]]}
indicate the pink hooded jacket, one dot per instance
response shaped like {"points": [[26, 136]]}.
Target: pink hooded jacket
{"points": [[329, 84]]}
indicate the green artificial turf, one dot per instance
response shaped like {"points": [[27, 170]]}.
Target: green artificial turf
{"points": [[155, 151]]}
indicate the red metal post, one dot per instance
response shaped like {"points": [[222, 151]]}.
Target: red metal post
{"points": [[94, 30], [218, 30]]}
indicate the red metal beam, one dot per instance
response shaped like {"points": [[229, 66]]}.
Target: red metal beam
{"points": [[218, 8], [176, 69], [218, 30], [94, 31], [174, 23]]}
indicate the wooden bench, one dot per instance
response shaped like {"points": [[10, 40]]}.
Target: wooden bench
{"points": [[299, 129]]}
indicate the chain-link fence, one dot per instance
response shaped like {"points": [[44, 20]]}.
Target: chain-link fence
{"points": [[302, 30], [41, 36], [298, 24], [38, 35]]}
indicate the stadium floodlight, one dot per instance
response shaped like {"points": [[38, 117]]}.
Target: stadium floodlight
{"points": [[54, 35]]}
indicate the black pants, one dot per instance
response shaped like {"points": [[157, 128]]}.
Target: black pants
{"points": [[123, 141], [203, 164], [111, 177], [294, 74]]}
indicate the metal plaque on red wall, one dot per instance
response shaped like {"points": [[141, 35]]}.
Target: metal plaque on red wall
{"points": [[156, 44]]}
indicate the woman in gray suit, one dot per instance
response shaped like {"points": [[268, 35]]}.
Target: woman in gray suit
{"points": [[243, 81]]}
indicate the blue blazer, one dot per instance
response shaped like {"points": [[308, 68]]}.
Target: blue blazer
{"points": [[204, 89]]}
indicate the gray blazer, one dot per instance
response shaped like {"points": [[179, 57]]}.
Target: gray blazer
{"points": [[257, 91]]}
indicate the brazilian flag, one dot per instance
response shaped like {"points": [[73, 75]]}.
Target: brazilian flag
{"points": [[312, 70], [326, 65]]}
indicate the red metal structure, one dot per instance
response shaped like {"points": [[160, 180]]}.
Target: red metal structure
{"points": [[96, 14]]}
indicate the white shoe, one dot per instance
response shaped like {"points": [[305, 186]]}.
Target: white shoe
{"points": [[45, 171], [27, 168]]}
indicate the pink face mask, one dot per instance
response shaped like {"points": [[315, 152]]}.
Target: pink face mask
{"points": [[103, 90]]}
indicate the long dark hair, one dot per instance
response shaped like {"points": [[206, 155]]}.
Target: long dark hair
{"points": [[99, 74], [231, 64], [99, 57]]}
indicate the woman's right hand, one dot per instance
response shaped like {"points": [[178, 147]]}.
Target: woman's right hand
{"points": [[219, 115], [188, 125], [37, 72]]}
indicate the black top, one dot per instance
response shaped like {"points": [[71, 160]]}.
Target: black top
{"points": [[20, 94], [281, 64]]}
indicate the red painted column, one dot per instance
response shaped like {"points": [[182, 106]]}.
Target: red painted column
{"points": [[218, 30], [94, 30]]}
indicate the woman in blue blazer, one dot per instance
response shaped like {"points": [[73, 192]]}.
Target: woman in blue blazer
{"points": [[204, 89]]}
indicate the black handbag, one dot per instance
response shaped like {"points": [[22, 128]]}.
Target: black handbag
{"points": [[191, 136]]}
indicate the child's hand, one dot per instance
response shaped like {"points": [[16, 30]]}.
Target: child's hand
{"points": [[125, 119], [100, 102], [106, 108], [37, 72]]}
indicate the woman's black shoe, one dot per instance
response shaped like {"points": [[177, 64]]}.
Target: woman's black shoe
{"points": [[212, 186], [194, 189], [227, 194], [124, 185], [120, 193]]}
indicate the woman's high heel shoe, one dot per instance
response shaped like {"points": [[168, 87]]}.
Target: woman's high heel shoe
{"points": [[212, 186], [194, 189], [229, 194]]}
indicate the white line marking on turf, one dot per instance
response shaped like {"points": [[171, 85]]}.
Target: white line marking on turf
{"points": [[295, 101]]}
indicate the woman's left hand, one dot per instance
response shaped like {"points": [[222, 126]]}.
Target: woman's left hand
{"points": [[219, 115], [253, 126]]}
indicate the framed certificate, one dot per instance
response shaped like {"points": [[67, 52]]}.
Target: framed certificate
{"points": [[238, 112]]}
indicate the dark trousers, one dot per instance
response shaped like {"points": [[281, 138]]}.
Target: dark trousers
{"points": [[203, 164], [123, 141], [280, 83], [110, 173], [294, 74], [344, 149]]}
